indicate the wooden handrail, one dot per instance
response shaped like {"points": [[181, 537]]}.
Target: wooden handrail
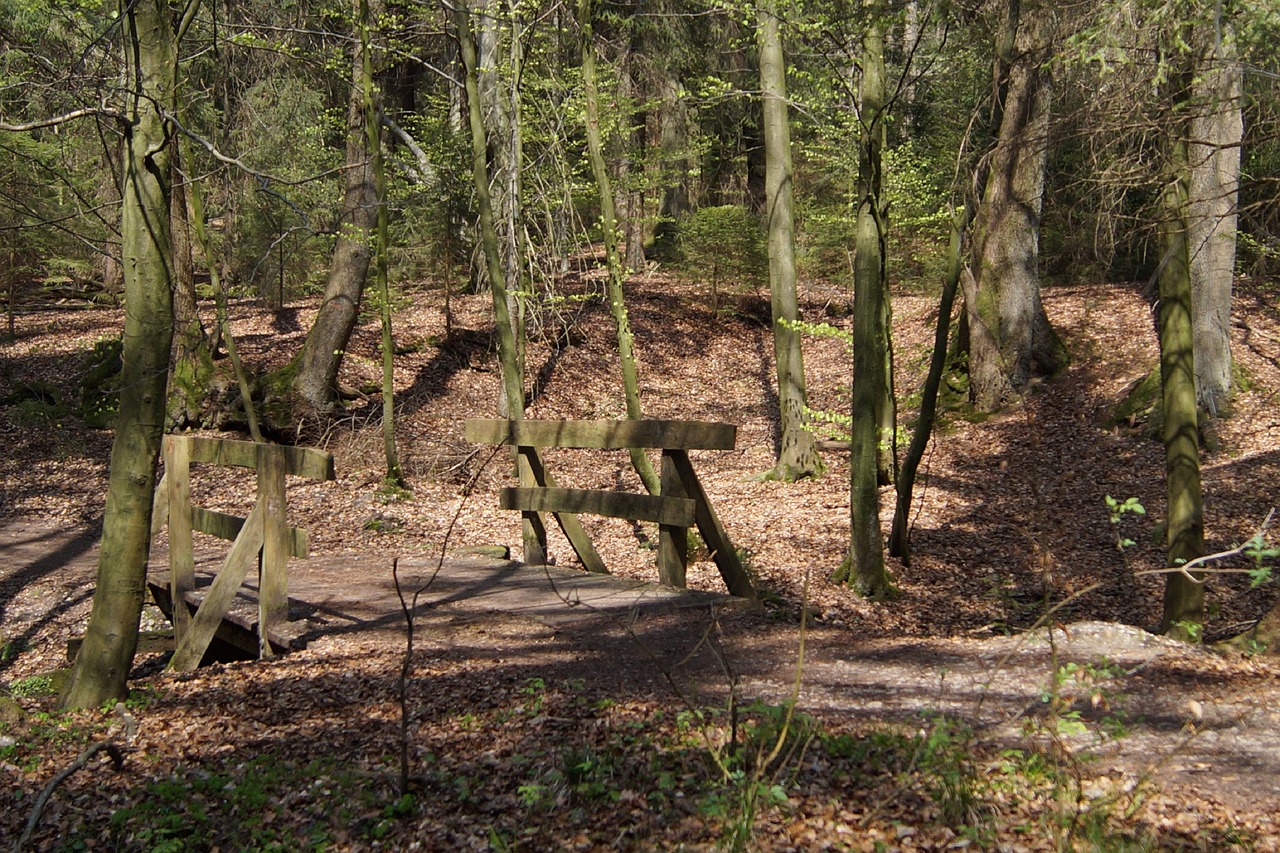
{"points": [[604, 435], [681, 504]]}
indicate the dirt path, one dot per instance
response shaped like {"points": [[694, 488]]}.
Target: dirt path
{"points": [[1199, 726]]}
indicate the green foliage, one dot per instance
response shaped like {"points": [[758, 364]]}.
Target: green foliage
{"points": [[32, 687], [1116, 512], [725, 248], [1262, 553], [11, 649], [286, 130]]}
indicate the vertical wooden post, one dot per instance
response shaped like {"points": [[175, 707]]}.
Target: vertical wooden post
{"points": [[273, 590], [673, 540], [535, 531], [182, 564]]}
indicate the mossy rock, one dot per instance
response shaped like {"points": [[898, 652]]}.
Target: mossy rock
{"points": [[1141, 406], [11, 713]]}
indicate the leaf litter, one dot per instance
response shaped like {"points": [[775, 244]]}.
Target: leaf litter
{"points": [[932, 722]]}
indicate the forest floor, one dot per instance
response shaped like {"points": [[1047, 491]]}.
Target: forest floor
{"points": [[946, 718]]}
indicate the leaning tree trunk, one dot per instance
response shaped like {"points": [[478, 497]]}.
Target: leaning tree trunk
{"points": [[609, 225], [865, 568], [315, 384], [497, 95], [1217, 128], [1010, 338], [900, 533], [1183, 597], [101, 668], [512, 399], [798, 453]]}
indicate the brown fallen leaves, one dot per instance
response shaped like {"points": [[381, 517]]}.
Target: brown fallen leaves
{"points": [[521, 738]]}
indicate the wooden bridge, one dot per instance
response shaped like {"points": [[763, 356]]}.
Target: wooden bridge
{"points": [[281, 607]]}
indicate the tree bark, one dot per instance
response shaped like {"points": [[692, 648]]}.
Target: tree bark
{"points": [[798, 454], [192, 356], [371, 100], [512, 400], [315, 384], [1217, 128], [609, 225], [101, 668], [1010, 337], [865, 569], [1183, 597]]}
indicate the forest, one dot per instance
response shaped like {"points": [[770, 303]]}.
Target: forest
{"points": [[985, 296]]}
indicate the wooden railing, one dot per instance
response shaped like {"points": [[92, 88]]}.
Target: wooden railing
{"points": [[681, 503], [264, 538]]}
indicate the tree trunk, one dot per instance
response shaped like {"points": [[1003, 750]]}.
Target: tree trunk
{"points": [[220, 298], [497, 79], [101, 668], [673, 161], [899, 536], [630, 197], [1010, 338], [609, 225], [512, 377], [370, 99], [1217, 128], [192, 356], [1183, 597], [865, 569], [315, 384], [798, 454]]}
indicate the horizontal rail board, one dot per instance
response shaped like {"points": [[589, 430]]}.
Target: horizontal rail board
{"points": [[603, 435], [673, 511], [227, 527], [299, 461]]}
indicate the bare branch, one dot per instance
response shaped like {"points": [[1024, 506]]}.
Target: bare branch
{"points": [[54, 121]]}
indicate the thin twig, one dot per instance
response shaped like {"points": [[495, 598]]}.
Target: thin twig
{"points": [[408, 606], [1199, 562]]}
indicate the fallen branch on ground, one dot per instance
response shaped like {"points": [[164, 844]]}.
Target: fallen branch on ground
{"points": [[117, 758]]}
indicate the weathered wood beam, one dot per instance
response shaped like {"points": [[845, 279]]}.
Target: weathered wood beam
{"points": [[299, 461], [569, 524], [204, 623], [713, 532], [603, 435], [662, 510], [223, 526]]}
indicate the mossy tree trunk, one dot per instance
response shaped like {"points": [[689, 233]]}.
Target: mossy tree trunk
{"points": [[1217, 128], [865, 569], [196, 194], [101, 668], [609, 227], [1010, 338], [798, 453], [371, 103], [512, 400], [313, 375], [1183, 597]]}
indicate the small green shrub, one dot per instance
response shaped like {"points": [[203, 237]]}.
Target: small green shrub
{"points": [[724, 247], [33, 687]]}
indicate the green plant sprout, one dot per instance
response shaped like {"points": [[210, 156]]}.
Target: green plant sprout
{"points": [[1116, 511]]}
